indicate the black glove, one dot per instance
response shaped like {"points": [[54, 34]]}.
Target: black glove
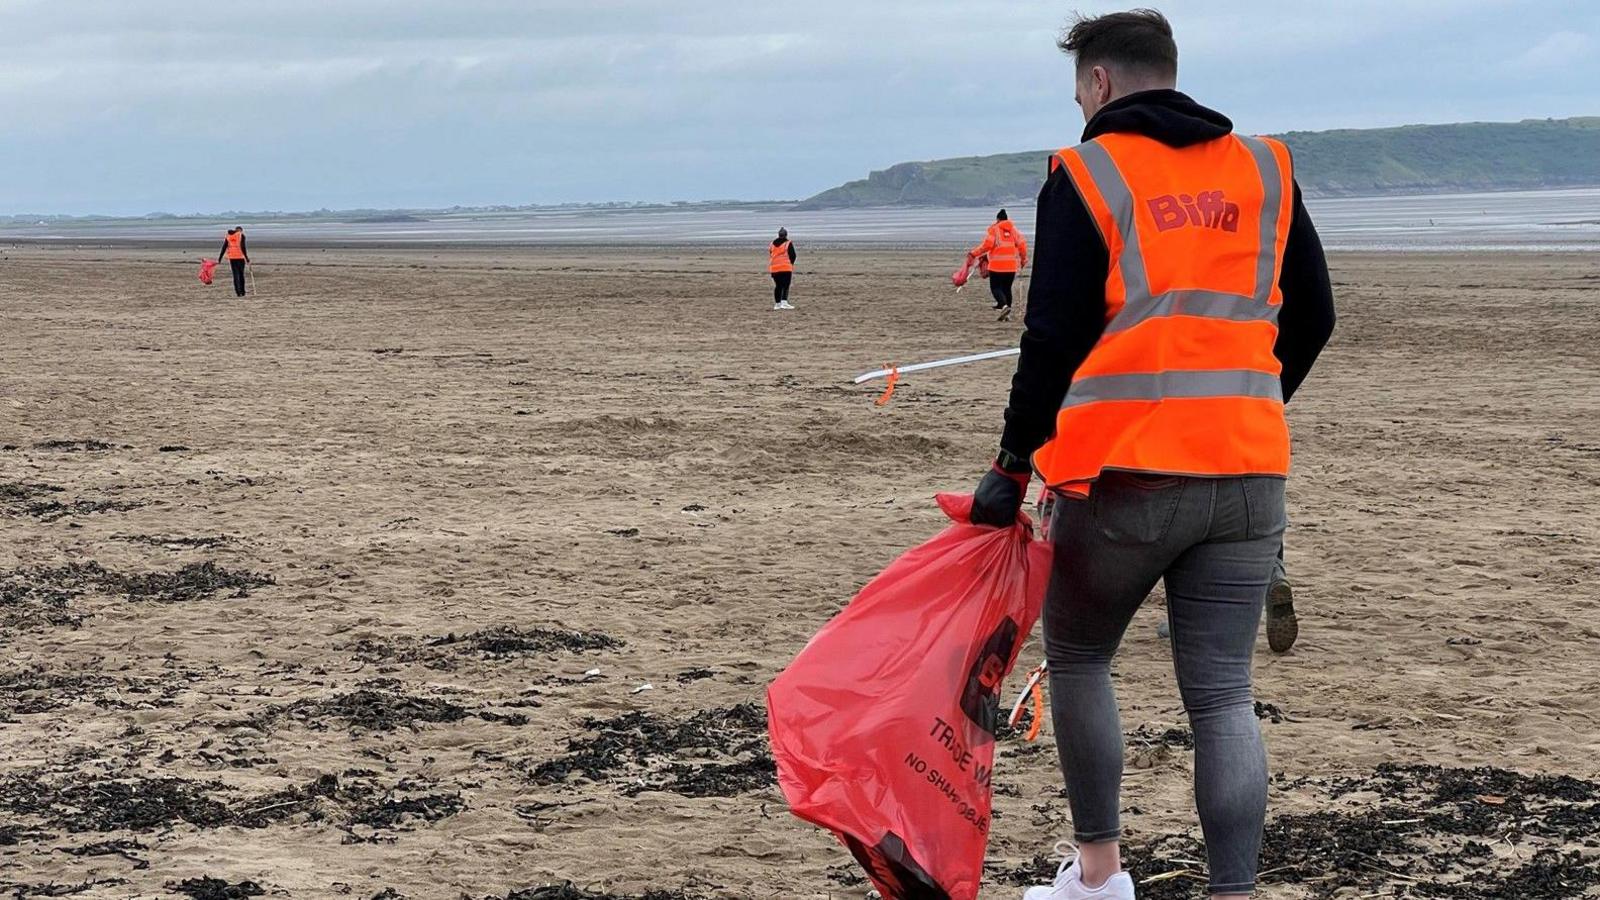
{"points": [[998, 498]]}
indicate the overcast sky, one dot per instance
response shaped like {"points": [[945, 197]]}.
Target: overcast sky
{"points": [[134, 106]]}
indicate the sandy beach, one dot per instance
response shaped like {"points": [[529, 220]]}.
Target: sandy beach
{"points": [[458, 573]]}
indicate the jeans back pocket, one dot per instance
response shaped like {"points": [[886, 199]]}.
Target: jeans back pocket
{"points": [[1265, 512], [1135, 508]]}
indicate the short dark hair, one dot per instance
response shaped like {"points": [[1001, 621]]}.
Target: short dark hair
{"points": [[1139, 39]]}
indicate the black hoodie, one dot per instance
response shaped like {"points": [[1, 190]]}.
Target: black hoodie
{"points": [[1066, 298]]}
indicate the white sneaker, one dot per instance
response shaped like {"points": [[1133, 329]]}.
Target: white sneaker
{"points": [[785, 305], [1069, 886]]}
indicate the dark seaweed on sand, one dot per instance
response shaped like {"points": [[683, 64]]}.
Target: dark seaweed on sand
{"points": [[208, 888], [30, 691], [377, 709], [156, 540], [16, 891], [132, 803], [39, 501], [31, 599], [123, 847], [445, 653], [40, 596], [89, 445], [12, 835], [713, 753], [89, 803], [1150, 736], [392, 810], [12, 492], [377, 705], [380, 710], [195, 581], [567, 891], [1430, 833], [53, 510], [508, 641], [354, 800]]}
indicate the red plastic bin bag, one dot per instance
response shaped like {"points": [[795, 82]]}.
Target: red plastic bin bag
{"points": [[883, 727], [207, 266], [959, 277]]}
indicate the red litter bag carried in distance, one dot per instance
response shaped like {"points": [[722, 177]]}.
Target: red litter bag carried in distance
{"points": [[207, 266], [959, 277], [884, 726]]}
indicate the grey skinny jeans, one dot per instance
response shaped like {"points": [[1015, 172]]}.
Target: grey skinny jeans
{"points": [[1214, 541]]}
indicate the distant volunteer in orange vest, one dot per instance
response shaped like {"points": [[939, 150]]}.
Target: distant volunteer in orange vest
{"points": [[1179, 297], [781, 257], [1007, 252], [238, 257]]}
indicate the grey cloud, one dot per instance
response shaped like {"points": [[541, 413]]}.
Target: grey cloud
{"points": [[122, 106]]}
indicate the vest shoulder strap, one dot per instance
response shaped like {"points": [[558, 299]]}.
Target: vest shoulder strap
{"points": [[1083, 181]]}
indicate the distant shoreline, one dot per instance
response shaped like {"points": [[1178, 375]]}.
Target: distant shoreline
{"points": [[1309, 193], [384, 216], [341, 251], [1556, 219], [421, 216]]}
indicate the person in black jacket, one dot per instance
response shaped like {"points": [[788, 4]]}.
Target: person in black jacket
{"points": [[782, 257], [1066, 301], [238, 256], [1113, 546], [1067, 305]]}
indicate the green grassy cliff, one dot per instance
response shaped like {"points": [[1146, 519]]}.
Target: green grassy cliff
{"points": [[1472, 156]]}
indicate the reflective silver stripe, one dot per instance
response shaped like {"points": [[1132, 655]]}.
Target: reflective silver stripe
{"points": [[1271, 205], [1187, 384], [1139, 304], [1209, 304], [1114, 190]]}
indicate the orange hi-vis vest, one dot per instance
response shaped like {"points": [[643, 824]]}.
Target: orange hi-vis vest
{"points": [[1005, 246], [1183, 380], [780, 257], [236, 245]]}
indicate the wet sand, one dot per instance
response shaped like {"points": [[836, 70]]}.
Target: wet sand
{"points": [[353, 587]]}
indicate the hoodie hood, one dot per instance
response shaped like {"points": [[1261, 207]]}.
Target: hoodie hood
{"points": [[1169, 116]]}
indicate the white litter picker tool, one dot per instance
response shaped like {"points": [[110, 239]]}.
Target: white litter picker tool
{"points": [[936, 364], [893, 373]]}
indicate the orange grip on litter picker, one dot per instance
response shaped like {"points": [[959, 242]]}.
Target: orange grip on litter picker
{"points": [[1038, 713], [888, 392], [1034, 689]]}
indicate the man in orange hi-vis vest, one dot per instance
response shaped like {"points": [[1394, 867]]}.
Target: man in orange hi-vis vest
{"points": [[1179, 297], [1007, 253]]}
